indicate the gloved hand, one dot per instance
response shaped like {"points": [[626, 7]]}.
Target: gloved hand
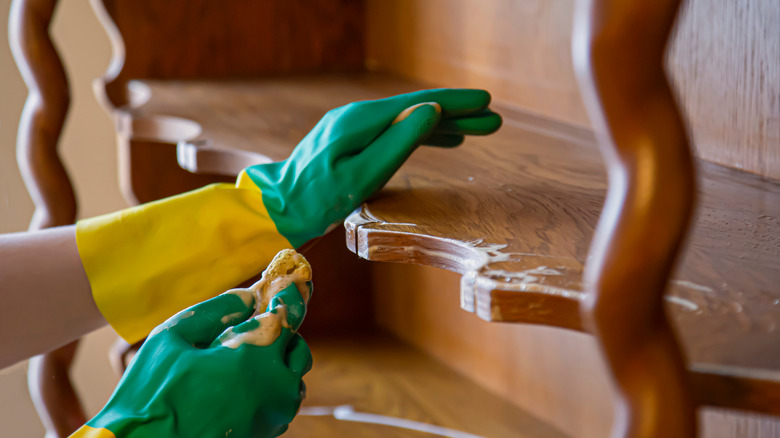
{"points": [[354, 150], [185, 383], [148, 262]]}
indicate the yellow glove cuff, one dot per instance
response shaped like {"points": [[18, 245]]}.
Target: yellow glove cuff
{"points": [[146, 263], [90, 432]]}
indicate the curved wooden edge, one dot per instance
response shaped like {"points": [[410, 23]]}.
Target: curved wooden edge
{"points": [[498, 286], [122, 353], [43, 117], [618, 49], [200, 157], [151, 166], [194, 153], [162, 129], [551, 304], [107, 89], [535, 290]]}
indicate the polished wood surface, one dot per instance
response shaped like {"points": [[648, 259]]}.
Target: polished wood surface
{"points": [[50, 188], [538, 182], [723, 63], [376, 374], [235, 38], [758, 391], [717, 423], [234, 114], [539, 212], [555, 375], [618, 50], [542, 181]]}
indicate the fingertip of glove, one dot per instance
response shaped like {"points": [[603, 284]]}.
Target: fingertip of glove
{"points": [[473, 98], [424, 109], [487, 96], [491, 122]]}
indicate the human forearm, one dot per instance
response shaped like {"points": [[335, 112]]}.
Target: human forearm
{"points": [[46, 297], [133, 268], [145, 263]]}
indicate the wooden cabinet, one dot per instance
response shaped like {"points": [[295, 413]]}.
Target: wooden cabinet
{"points": [[198, 90]]}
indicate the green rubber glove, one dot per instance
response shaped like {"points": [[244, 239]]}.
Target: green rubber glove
{"points": [[146, 263], [355, 149], [185, 383]]}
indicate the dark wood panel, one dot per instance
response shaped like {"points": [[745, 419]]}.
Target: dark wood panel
{"points": [[236, 38]]}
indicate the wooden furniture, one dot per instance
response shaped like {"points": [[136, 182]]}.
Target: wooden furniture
{"points": [[513, 214], [50, 188]]}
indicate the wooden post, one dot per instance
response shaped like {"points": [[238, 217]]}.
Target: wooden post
{"points": [[619, 48], [49, 186]]}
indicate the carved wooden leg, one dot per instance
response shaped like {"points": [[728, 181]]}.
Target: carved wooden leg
{"points": [[53, 393], [122, 353], [49, 186], [619, 49]]}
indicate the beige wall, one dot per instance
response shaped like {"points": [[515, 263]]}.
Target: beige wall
{"points": [[89, 154]]}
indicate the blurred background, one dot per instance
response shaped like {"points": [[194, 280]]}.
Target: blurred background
{"points": [[88, 149]]}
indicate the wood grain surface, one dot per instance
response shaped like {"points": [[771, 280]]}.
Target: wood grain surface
{"points": [[522, 266], [726, 310], [555, 375], [376, 374], [502, 207], [236, 38], [726, 69], [723, 63]]}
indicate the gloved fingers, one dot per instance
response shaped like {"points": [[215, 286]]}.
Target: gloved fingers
{"points": [[274, 327], [200, 324], [298, 359], [282, 429], [360, 123], [453, 101], [483, 122], [292, 300], [357, 125], [386, 154], [443, 140], [260, 330]]}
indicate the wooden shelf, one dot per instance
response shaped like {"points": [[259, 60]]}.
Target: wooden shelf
{"points": [[266, 116], [376, 374], [513, 212]]}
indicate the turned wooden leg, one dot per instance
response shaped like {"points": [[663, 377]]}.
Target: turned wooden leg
{"points": [[58, 405], [47, 182], [122, 353], [619, 49]]}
